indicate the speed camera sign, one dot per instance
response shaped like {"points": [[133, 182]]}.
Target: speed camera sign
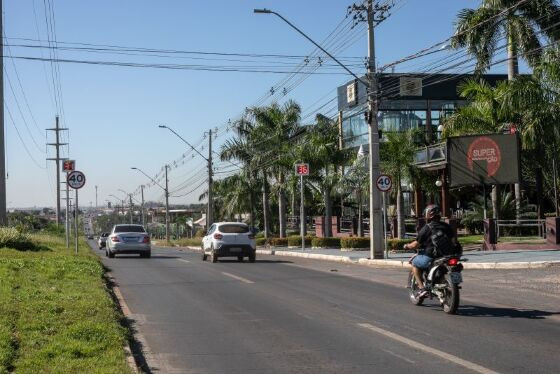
{"points": [[76, 179]]}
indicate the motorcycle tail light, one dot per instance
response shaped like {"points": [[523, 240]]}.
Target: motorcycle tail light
{"points": [[453, 261], [218, 236]]}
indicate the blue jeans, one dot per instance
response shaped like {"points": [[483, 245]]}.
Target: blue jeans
{"points": [[422, 261]]}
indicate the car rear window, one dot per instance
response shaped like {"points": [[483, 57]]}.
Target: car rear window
{"points": [[129, 228], [234, 229]]}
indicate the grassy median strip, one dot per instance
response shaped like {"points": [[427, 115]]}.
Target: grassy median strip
{"points": [[56, 314]]}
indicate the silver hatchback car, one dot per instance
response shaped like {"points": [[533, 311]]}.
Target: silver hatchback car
{"points": [[125, 239]]}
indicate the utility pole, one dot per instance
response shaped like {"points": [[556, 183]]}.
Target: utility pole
{"points": [[209, 214], [166, 205], [57, 129], [375, 223], [96, 198], [143, 217], [3, 215], [130, 198]]}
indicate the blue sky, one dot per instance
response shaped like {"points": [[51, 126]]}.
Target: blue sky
{"points": [[113, 112]]}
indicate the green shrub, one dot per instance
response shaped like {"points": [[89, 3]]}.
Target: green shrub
{"points": [[260, 234], [354, 242], [261, 241], [11, 237], [189, 242], [328, 242], [200, 233], [295, 241], [278, 242], [397, 244]]}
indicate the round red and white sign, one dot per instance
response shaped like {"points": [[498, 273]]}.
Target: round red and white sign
{"points": [[76, 179], [384, 183]]}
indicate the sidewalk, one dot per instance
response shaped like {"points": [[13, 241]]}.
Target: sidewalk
{"points": [[519, 259]]}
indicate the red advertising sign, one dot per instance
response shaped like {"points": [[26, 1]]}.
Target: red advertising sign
{"points": [[68, 165], [302, 169], [485, 149]]}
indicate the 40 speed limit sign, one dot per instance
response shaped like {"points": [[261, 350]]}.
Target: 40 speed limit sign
{"points": [[76, 179], [384, 183]]}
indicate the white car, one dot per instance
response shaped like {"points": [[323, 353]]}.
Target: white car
{"points": [[128, 239], [229, 239]]}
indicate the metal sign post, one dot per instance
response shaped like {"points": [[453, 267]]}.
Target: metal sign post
{"points": [[76, 180], [384, 184], [67, 167], [301, 170]]}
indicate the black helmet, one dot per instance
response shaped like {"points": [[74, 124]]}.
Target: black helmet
{"points": [[432, 211]]}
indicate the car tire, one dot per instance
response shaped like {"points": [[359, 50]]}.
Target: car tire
{"points": [[204, 255], [252, 258], [240, 258], [146, 255], [110, 254], [213, 257]]}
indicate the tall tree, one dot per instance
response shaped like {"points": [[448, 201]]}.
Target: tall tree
{"points": [[523, 24], [397, 155]]}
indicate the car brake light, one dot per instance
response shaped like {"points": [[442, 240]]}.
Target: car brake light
{"points": [[218, 236], [453, 261], [251, 236], [146, 239], [115, 239]]}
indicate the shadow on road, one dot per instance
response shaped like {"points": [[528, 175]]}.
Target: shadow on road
{"points": [[137, 257], [481, 311]]}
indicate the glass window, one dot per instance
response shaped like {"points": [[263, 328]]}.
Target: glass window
{"points": [[231, 228], [129, 228]]}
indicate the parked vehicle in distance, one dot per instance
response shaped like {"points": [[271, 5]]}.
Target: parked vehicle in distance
{"points": [[101, 242], [90, 237], [229, 239], [128, 239]]}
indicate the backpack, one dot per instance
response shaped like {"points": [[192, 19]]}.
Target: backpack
{"points": [[443, 246]]}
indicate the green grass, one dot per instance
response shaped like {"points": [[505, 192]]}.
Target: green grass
{"points": [[56, 315], [522, 239], [470, 239]]}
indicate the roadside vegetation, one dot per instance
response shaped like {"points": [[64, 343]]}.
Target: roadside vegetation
{"points": [[56, 314]]}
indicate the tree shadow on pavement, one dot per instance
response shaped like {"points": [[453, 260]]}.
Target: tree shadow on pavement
{"points": [[481, 311]]}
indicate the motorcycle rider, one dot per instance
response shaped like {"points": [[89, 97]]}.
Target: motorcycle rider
{"points": [[426, 254]]}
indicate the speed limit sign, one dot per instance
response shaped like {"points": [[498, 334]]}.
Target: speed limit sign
{"points": [[384, 183], [76, 179]]}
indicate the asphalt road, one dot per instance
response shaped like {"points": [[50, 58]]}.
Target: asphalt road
{"points": [[283, 315]]}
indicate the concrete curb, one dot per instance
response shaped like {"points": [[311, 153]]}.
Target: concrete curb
{"points": [[405, 264]]}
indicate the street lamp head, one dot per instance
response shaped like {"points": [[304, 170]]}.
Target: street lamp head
{"points": [[264, 11], [439, 183], [133, 168], [162, 126]]}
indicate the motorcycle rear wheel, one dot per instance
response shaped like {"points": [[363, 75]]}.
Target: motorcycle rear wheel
{"points": [[412, 288], [451, 299]]}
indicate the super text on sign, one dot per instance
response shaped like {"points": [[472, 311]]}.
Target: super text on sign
{"points": [[384, 183], [76, 179], [302, 169]]}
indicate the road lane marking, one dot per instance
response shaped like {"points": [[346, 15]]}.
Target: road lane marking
{"points": [[422, 347], [238, 278], [180, 259], [398, 356]]}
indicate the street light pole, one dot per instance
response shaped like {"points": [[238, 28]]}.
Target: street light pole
{"points": [[209, 209], [376, 239], [166, 190]]}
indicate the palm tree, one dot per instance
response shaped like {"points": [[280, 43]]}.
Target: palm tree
{"points": [[276, 128], [523, 23], [356, 180], [397, 155], [320, 149]]}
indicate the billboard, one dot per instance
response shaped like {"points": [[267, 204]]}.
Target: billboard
{"points": [[483, 159]]}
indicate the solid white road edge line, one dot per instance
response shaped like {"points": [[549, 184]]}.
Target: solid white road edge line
{"points": [[182, 260], [238, 278], [422, 347]]}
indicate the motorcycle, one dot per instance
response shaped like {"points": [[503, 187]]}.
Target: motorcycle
{"points": [[442, 281]]}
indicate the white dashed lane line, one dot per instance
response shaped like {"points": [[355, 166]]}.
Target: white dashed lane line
{"points": [[238, 278], [422, 347]]}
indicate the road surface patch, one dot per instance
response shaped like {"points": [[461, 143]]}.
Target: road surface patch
{"points": [[422, 347]]}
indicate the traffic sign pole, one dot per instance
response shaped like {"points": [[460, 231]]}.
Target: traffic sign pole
{"points": [[302, 214], [76, 213], [385, 224]]}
